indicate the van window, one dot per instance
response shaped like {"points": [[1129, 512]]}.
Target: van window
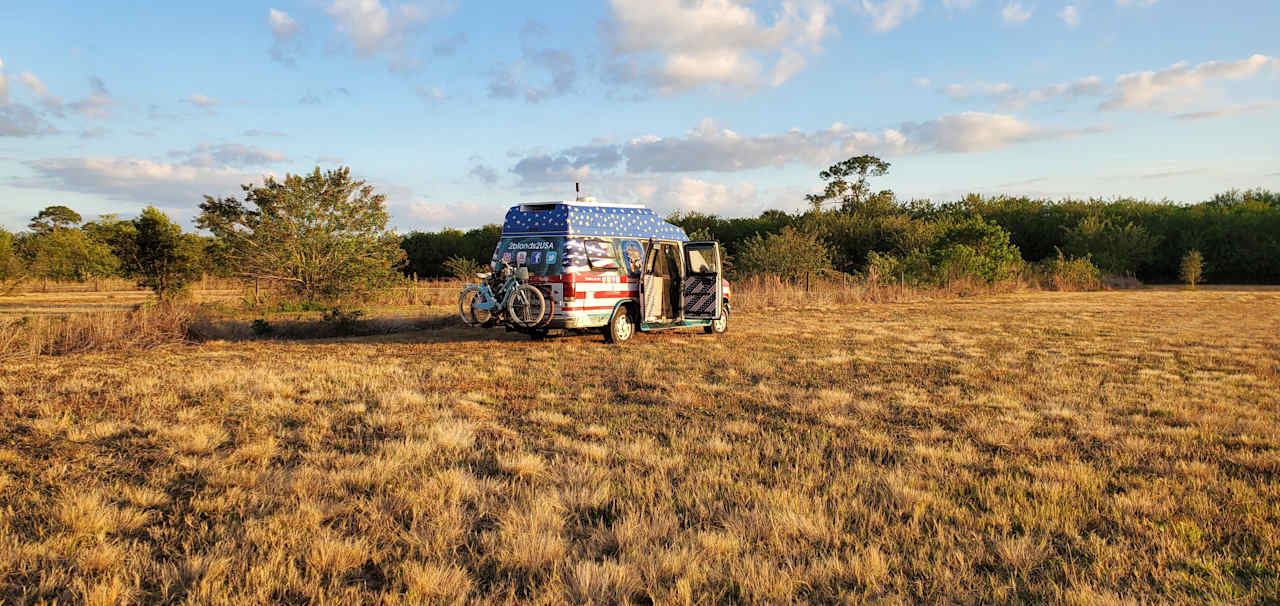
{"points": [[540, 254], [633, 256], [601, 254], [701, 260]]}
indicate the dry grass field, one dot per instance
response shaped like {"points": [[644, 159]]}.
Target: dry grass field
{"points": [[1090, 448]]}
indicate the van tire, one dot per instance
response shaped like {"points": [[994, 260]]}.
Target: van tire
{"points": [[621, 326], [720, 326]]}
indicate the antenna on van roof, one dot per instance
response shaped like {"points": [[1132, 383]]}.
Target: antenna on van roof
{"points": [[577, 191]]}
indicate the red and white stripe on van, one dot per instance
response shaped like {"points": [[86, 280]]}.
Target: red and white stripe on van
{"points": [[593, 292]]}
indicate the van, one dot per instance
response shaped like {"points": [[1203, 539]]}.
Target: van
{"points": [[616, 268]]}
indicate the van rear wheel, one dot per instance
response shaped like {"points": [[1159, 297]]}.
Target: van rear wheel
{"points": [[719, 325], [620, 328]]}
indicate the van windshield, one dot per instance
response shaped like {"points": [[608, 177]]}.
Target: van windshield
{"points": [[543, 255]]}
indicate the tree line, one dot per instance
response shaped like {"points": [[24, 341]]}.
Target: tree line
{"points": [[324, 235]]}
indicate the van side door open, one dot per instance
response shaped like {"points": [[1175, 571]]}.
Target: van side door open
{"points": [[660, 301], [702, 279]]}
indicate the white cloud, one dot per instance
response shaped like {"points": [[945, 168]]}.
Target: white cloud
{"points": [[228, 154], [961, 92], [1138, 3], [282, 25], [437, 215], [922, 82], [1011, 97], [1234, 110], [711, 148], [708, 147], [540, 73], [98, 103], [889, 14], [1160, 90], [1070, 15], [972, 132], [18, 120], [685, 194], [134, 179], [200, 100], [1015, 12], [573, 164], [483, 173], [285, 43], [374, 28], [676, 45], [41, 91], [4, 89]]}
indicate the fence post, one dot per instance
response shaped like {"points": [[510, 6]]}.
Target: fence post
{"points": [[806, 281]]}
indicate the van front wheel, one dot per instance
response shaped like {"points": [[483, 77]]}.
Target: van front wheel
{"points": [[621, 327]]}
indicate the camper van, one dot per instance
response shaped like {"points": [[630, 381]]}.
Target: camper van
{"points": [[617, 268]]}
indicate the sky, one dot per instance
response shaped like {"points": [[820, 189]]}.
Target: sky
{"points": [[456, 110]]}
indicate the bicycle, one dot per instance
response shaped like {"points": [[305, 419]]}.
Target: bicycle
{"points": [[514, 300]]}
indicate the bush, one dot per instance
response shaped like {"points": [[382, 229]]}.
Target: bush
{"points": [[789, 253], [1074, 273], [462, 268], [964, 249], [1192, 268]]}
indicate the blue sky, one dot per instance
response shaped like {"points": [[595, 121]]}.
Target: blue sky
{"points": [[457, 109]]}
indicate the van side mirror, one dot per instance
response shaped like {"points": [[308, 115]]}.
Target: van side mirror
{"points": [[522, 274]]}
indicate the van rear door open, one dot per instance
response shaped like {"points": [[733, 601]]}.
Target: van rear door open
{"points": [[702, 279]]}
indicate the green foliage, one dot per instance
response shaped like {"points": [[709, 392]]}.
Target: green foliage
{"points": [[1192, 268], [973, 248], [54, 217], [1074, 273], [114, 232], [962, 248], [67, 254], [462, 268], [789, 254], [1239, 230], [11, 267], [322, 235], [427, 252], [1118, 249], [847, 183], [160, 256]]}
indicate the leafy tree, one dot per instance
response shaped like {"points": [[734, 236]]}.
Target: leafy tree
{"points": [[789, 254], [54, 217], [160, 256], [971, 247], [463, 268], [116, 233], [847, 183], [1192, 268], [11, 269], [323, 235], [427, 252], [1119, 249], [68, 255]]}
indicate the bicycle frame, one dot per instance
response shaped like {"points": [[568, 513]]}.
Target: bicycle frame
{"points": [[492, 303]]}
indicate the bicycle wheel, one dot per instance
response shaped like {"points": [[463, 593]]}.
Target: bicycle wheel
{"points": [[467, 310], [526, 306]]}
